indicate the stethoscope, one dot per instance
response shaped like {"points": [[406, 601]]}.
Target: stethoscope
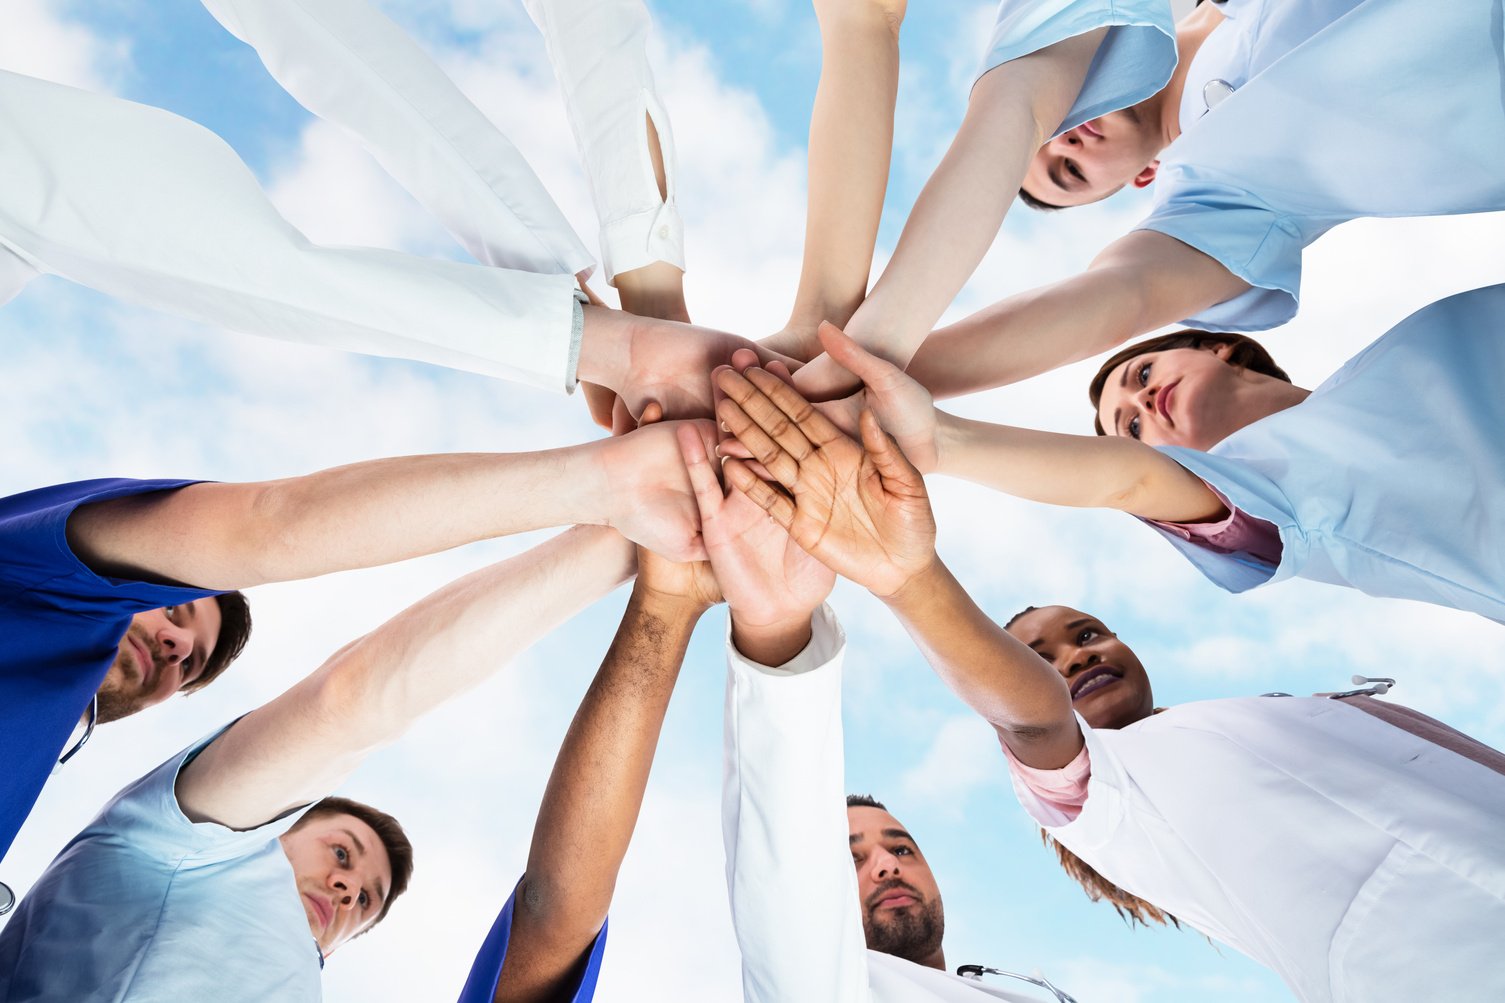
{"points": [[8, 897], [1368, 686], [976, 972]]}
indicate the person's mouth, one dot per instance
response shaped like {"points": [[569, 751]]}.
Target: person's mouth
{"points": [[145, 663], [1095, 679], [1163, 401], [1091, 129], [896, 896], [321, 908]]}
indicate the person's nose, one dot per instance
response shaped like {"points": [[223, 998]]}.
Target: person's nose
{"points": [[1079, 660], [176, 642], [884, 866], [344, 893]]}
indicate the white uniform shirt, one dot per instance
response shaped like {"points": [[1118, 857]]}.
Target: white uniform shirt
{"points": [[785, 824], [1358, 861]]}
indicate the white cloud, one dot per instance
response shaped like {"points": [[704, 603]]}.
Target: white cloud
{"points": [[41, 39]]}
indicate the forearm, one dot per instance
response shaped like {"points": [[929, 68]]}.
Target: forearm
{"points": [[360, 515], [1010, 114], [1015, 690], [1082, 471], [591, 804], [851, 144], [771, 643], [303, 744]]}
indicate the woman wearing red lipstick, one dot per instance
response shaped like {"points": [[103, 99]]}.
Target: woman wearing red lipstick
{"points": [[1353, 850]]}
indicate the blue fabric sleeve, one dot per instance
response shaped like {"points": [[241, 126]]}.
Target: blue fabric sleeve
{"points": [[1242, 234], [480, 987], [1134, 61], [60, 625]]}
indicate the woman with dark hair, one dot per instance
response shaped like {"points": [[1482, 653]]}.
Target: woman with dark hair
{"points": [[1386, 478]]}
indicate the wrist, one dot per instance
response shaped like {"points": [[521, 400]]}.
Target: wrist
{"points": [[950, 436], [772, 643], [924, 582], [605, 347], [672, 608]]}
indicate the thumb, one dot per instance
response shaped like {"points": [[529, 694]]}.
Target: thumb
{"points": [[892, 465], [852, 357]]}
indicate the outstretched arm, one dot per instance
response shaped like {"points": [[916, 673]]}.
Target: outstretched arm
{"points": [[228, 536], [863, 510], [1011, 113], [596, 790], [303, 744], [851, 144], [1141, 282]]}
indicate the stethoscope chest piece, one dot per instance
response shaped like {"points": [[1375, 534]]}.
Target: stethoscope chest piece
{"points": [[7, 898], [1215, 92]]}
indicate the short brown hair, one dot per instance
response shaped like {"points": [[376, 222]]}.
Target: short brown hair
{"points": [[1131, 908], [234, 632], [1247, 354], [387, 829]]}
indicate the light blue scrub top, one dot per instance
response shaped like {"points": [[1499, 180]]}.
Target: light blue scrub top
{"points": [[1390, 477], [1341, 109], [147, 907]]}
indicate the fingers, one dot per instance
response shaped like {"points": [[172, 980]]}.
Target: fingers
{"points": [[653, 412], [600, 402], [779, 410], [703, 482], [742, 358], [780, 370], [622, 421], [852, 357], [821, 379], [892, 465], [775, 503], [761, 446]]}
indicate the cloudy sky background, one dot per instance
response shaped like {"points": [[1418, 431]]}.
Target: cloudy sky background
{"points": [[96, 388]]}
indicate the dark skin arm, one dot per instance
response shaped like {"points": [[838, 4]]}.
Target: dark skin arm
{"points": [[596, 790]]}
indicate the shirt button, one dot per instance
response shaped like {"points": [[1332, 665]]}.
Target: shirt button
{"points": [[663, 233]]}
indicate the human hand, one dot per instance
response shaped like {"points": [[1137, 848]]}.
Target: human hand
{"points": [[648, 492], [671, 363], [690, 584], [771, 583], [861, 509]]}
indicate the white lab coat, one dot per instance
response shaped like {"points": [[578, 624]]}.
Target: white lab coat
{"points": [[789, 870], [1358, 861]]}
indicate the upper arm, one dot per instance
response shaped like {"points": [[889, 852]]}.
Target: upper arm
{"points": [[1149, 484], [1044, 82], [1158, 280], [198, 535]]}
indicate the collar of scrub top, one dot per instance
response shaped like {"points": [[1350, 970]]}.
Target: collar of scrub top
{"points": [[82, 739], [976, 972], [1368, 686]]}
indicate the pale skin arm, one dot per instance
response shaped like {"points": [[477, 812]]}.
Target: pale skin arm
{"points": [[851, 145], [591, 804], [862, 509], [306, 742], [1010, 114], [229, 536], [1141, 282]]}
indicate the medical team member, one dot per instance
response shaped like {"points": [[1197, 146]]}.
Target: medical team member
{"points": [[1261, 124], [1352, 848], [186, 228]]}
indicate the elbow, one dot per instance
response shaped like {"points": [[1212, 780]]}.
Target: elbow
{"points": [[835, 14], [554, 916]]}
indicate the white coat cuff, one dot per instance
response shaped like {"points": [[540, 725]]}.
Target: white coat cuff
{"points": [[643, 238], [827, 640]]}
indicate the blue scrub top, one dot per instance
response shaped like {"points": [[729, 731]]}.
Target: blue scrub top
{"points": [[1340, 109], [1389, 477], [481, 986], [60, 627]]}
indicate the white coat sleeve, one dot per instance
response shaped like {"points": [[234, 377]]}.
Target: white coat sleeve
{"points": [[789, 870], [156, 210], [352, 66], [599, 49]]}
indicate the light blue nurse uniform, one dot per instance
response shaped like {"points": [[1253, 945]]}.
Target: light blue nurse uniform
{"points": [[1390, 477], [147, 907], [1339, 109]]}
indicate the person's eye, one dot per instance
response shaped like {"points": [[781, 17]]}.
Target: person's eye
{"points": [[364, 899], [1086, 635], [342, 855], [1143, 373], [1134, 427], [1075, 171], [902, 851]]}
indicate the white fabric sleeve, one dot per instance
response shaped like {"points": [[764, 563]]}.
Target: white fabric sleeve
{"points": [[352, 66], [599, 49], [789, 871], [156, 210]]}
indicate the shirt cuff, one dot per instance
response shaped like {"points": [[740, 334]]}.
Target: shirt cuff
{"points": [[827, 639], [641, 239], [577, 335]]}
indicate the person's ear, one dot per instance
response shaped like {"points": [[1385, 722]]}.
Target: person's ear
{"points": [[1222, 349], [1144, 177]]}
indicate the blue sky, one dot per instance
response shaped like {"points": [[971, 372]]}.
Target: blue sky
{"points": [[738, 78]]}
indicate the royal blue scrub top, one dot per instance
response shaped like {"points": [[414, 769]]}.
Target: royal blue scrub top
{"points": [[60, 627], [481, 986]]}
